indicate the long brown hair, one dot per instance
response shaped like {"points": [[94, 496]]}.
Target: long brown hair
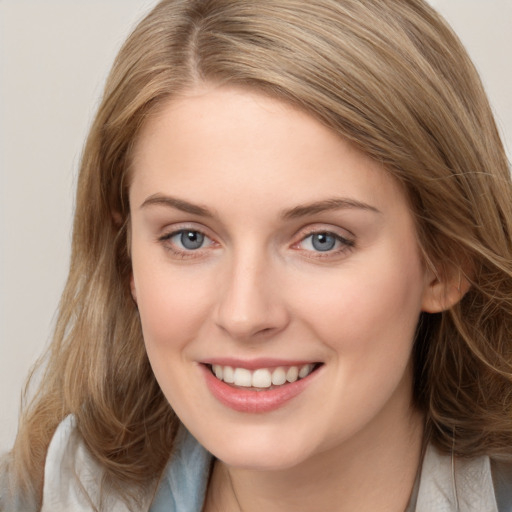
{"points": [[388, 75]]}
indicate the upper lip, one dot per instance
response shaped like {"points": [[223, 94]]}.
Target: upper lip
{"points": [[254, 364]]}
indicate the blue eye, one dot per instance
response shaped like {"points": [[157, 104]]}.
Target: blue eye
{"points": [[323, 241], [188, 239], [187, 243]]}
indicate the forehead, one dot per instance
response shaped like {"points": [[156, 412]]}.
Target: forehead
{"points": [[219, 138]]}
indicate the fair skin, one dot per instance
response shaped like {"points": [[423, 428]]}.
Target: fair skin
{"points": [[260, 239]]}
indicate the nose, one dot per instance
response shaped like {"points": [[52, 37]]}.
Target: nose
{"points": [[251, 301]]}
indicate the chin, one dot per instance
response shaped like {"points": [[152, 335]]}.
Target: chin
{"points": [[261, 461], [260, 450]]}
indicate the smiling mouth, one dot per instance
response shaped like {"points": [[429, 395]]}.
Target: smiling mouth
{"points": [[262, 379]]}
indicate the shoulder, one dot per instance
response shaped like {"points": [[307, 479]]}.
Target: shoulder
{"points": [[183, 486], [470, 485], [502, 477], [72, 477], [11, 497]]}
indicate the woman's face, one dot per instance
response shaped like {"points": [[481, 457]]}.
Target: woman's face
{"points": [[270, 251]]}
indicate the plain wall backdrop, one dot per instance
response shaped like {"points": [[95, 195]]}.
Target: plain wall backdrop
{"points": [[54, 57]]}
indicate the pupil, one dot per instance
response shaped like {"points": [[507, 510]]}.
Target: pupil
{"points": [[323, 242], [192, 239]]}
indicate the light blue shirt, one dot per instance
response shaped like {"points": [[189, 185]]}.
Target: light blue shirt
{"points": [[183, 487]]}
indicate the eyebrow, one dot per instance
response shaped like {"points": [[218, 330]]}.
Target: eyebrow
{"points": [[178, 204], [293, 213], [327, 205]]}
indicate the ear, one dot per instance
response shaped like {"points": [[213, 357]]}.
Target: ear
{"points": [[444, 289], [117, 218]]}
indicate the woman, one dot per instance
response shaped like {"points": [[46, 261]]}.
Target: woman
{"points": [[291, 251]]}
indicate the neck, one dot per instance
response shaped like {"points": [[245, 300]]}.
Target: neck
{"points": [[375, 471]]}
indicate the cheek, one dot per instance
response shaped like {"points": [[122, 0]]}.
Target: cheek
{"points": [[172, 306], [172, 310], [370, 308]]}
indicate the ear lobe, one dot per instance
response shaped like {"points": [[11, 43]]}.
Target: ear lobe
{"points": [[444, 291]]}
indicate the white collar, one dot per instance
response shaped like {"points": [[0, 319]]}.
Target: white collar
{"points": [[452, 484]]}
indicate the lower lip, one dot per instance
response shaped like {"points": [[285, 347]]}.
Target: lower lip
{"points": [[247, 400]]}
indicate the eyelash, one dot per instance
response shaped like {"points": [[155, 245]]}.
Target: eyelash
{"points": [[166, 241], [344, 244]]}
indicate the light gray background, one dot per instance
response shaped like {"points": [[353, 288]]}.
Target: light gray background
{"points": [[54, 56]]}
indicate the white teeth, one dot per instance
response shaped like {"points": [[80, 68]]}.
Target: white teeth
{"points": [[217, 369], [292, 374], [278, 376], [305, 370], [242, 377], [262, 377], [229, 375]]}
